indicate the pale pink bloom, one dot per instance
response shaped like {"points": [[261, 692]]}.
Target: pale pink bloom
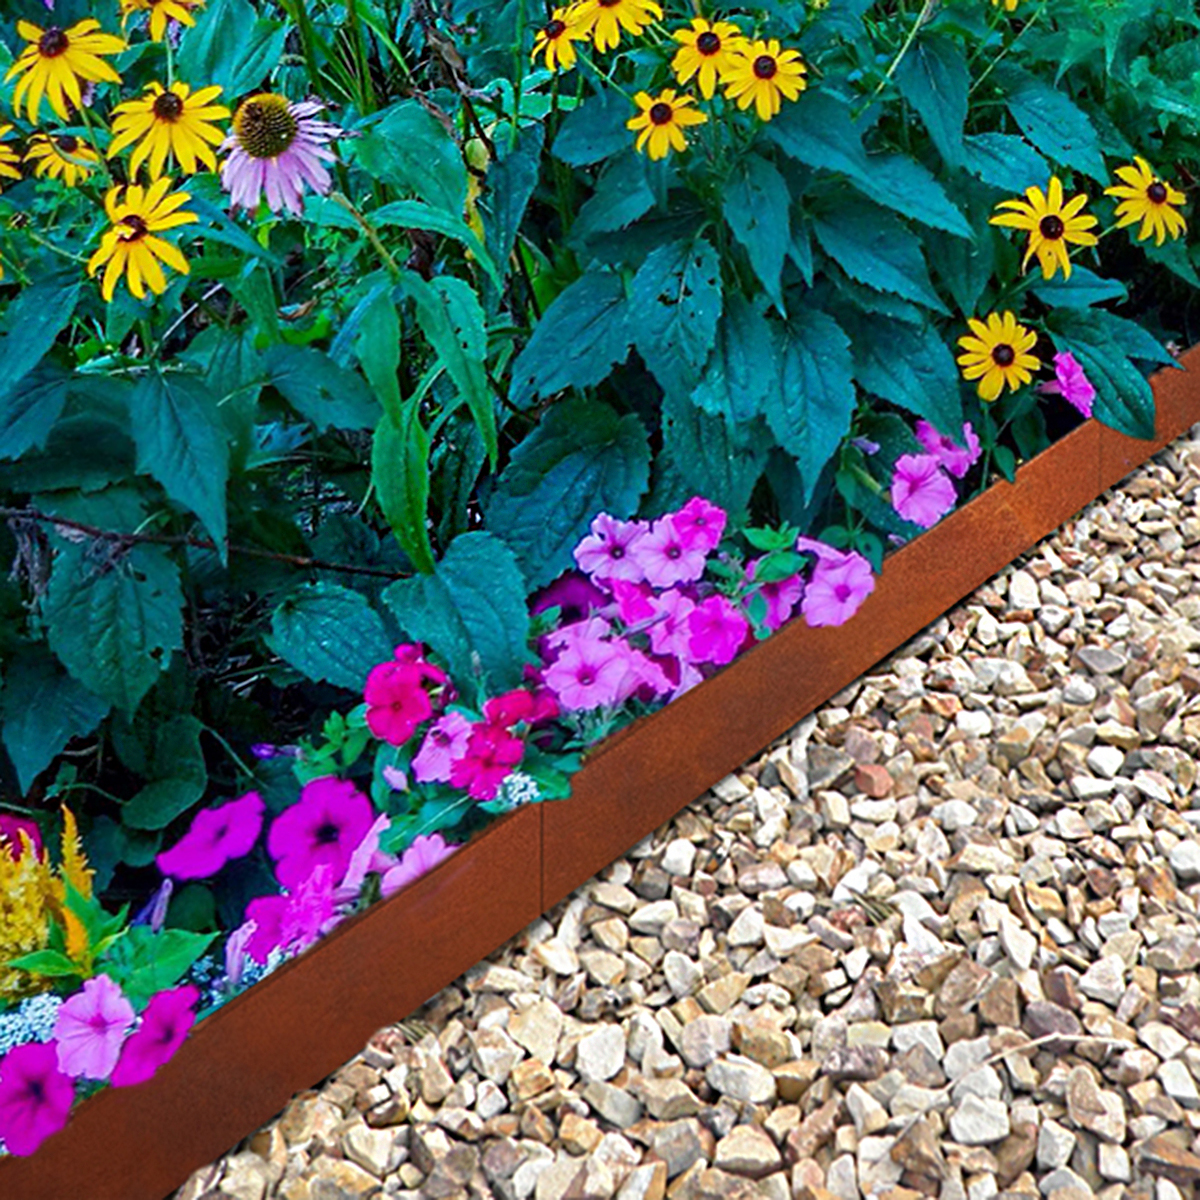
{"points": [[689, 676], [1071, 383], [579, 633], [586, 675], [90, 1029], [607, 553], [952, 457], [700, 524], [671, 634], [366, 857], [717, 631], [421, 857], [921, 491], [841, 580], [235, 951], [667, 557], [642, 677], [446, 741]]}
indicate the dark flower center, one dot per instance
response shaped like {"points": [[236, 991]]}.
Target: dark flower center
{"points": [[68, 143], [765, 66], [587, 678], [708, 43], [35, 1089], [616, 552], [555, 29], [168, 106], [1051, 227], [674, 551], [53, 42], [609, 3], [842, 592], [1156, 193], [264, 126], [326, 834], [1004, 356], [136, 226], [661, 113]]}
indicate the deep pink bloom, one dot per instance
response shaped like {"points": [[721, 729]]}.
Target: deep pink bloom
{"points": [[921, 491], [840, 582], [952, 457], [574, 594], [264, 922], [277, 147], [491, 755], [323, 826], [414, 653], [90, 1029], [446, 740], [309, 913], [35, 1097], [717, 631], [11, 829], [781, 596], [165, 1024], [509, 708], [396, 701], [423, 855], [666, 556], [700, 524], [671, 634], [635, 601], [608, 552], [1071, 383], [217, 835], [587, 674]]}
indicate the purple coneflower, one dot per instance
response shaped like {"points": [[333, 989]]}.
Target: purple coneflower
{"points": [[275, 148]]}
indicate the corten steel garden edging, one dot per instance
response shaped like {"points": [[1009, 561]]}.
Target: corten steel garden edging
{"points": [[241, 1065]]}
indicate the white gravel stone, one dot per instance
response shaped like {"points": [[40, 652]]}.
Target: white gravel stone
{"points": [[979, 1121], [1185, 860], [601, 1055], [1055, 1145], [1178, 1083], [679, 857], [1104, 980]]}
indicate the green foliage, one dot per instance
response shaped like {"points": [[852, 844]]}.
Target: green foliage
{"points": [[142, 962]]}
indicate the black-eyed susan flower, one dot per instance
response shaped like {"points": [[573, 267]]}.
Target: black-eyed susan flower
{"points": [[162, 11], [997, 353], [1147, 198], [169, 121], [61, 156], [603, 20], [131, 246], [54, 62], [556, 39], [1009, 5], [662, 120], [9, 159], [706, 50], [763, 72], [1052, 226]]}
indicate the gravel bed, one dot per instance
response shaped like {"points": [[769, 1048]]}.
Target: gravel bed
{"points": [[939, 940]]}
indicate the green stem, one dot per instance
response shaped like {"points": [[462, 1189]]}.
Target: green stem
{"points": [[922, 17], [370, 231], [245, 770], [1007, 49]]}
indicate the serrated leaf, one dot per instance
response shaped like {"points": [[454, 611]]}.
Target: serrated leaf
{"points": [[1083, 289], [623, 193], [329, 633], [235, 49], [1005, 162], [30, 408], [595, 130], [905, 186], [407, 146], [756, 210], [472, 607], [32, 322], [400, 477], [965, 268], [819, 133], [1052, 121], [511, 182], [738, 375], [415, 214], [581, 460], [320, 390], [933, 77]]}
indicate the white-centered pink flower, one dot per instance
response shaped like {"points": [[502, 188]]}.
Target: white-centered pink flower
{"points": [[668, 556], [607, 553]]}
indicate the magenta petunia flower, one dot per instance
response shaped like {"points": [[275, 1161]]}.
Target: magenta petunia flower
{"points": [[1071, 383], [634, 602], [952, 457], [608, 552], [396, 701], [309, 914], [491, 754], [35, 1097], [323, 826], [421, 857], [700, 524], [165, 1024], [781, 596], [643, 677], [921, 491], [446, 740], [575, 595], [277, 147], [717, 631], [217, 836], [11, 841], [263, 925], [586, 675], [666, 556], [841, 580], [91, 1028], [670, 633]]}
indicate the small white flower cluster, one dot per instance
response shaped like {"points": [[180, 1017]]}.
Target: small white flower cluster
{"points": [[517, 790], [31, 1021]]}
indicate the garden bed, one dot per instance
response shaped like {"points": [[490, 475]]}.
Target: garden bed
{"points": [[243, 1063]]}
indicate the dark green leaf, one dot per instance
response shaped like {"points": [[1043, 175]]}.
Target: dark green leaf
{"points": [[819, 133], [623, 193], [32, 322], [965, 268], [756, 210], [377, 345], [738, 375], [510, 185], [142, 962], [408, 147], [235, 49], [904, 185], [317, 388], [30, 408], [415, 214], [933, 77], [1006, 162], [595, 130], [400, 477], [179, 777], [1083, 289], [1052, 122]]}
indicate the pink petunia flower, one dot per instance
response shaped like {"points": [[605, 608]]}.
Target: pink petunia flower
{"points": [[366, 857], [635, 602], [421, 857], [91, 1028], [165, 1023], [667, 556], [323, 826], [671, 634], [1071, 383], [609, 551], [643, 677], [840, 582], [781, 596], [700, 524], [396, 701], [217, 836], [952, 457], [717, 631], [11, 829], [921, 490], [277, 147], [35, 1096], [236, 946], [586, 675], [446, 740], [491, 754]]}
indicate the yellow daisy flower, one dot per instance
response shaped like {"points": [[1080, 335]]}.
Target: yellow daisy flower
{"points": [[131, 247], [603, 20], [1009, 5], [55, 60], [173, 121], [61, 156], [1051, 225], [161, 11], [1149, 199], [555, 39], [998, 354], [9, 159], [761, 73], [662, 120], [708, 49]]}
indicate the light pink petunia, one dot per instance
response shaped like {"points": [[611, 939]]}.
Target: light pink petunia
{"points": [[700, 524], [587, 675], [841, 580], [35, 1097], [717, 631], [1071, 383], [90, 1029], [323, 826], [667, 556], [608, 552], [670, 633], [921, 491], [642, 676], [446, 740], [165, 1024], [952, 457], [217, 836], [421, 857]]}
